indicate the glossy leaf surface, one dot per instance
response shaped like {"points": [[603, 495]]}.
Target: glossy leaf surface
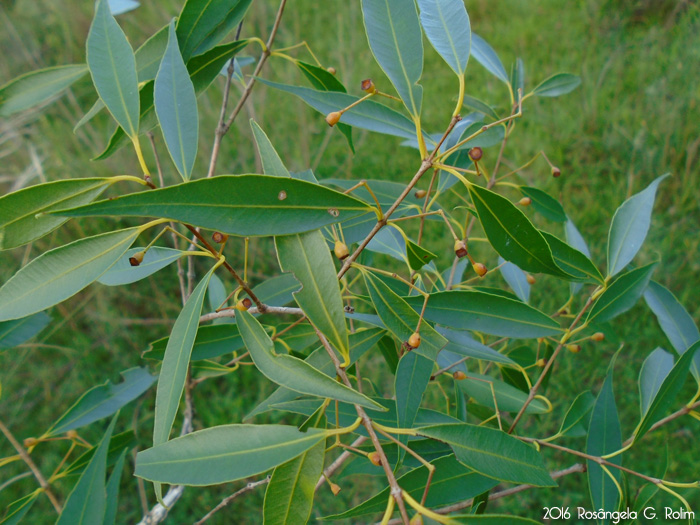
{"points": [[622, 294]]}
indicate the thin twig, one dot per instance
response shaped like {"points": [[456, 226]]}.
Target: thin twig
{"points": [[681, 412], [338, 462], [281, 310], [32, 466], [249, 487]]}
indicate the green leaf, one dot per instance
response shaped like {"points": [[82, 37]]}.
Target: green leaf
{"points": [[660, 399], [278, 290], [176, 107], [487, 57], [117, 444], [655, 370], [557, 85], [203, 69], [482, 389], [211, 341], [389, 241], [516, 279], [411, 381], [14, 333], [224, 453], [487, 313], [62, 272], [112, 491], [463, 344], [575, 240], [492, 453], [35, 87], [149, 54], [271, 162], [87, 501], [489, 138], [173, 372], [675, 321], [452, 482], [368, 115], [17, 510], [512, 234], [417, 255], [123, 272], [545, 204], [244, 205], [621, 295], [517, 76], [396, 41], [113, 69], [201, 26], [575, 423], [400, 319], [103, 401], [479, 105], [18, 222], [307, 257], [604, 437], [290, 493], [572, 261], [360, 342], [322, 80], [446, 24], [629, 227], [291, 372]]}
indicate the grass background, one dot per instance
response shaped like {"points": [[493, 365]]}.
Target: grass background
{"points": [[634, 117]]}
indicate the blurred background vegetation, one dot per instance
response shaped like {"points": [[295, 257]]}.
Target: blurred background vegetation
{"points": [[634, 117]]}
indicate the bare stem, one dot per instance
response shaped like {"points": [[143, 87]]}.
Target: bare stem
{"points": [[249, 487]]}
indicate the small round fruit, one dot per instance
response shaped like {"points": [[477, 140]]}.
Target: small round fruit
{"points": [[574, 349], [420, 194], [525, 201], [30, 442], [460, 248], [341, 250], [375, 459], [219, 237], [598, 336], [530, 279], [333, 118], [72, 434], [368, 86], [331, 70], [540, 362], [459, 375], [414, 340], [244, 304], [476, 153], [136, 259], [335, 489], [480, 269], [556, 172]]}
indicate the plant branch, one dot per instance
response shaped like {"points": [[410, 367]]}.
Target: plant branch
{"points": [[281, 310], [32, 466], [249, 487], [681, 412], [328, 472]]}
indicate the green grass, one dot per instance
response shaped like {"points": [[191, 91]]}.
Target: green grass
{"points": [[634, 117]]}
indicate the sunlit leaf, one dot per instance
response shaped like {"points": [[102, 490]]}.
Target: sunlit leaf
{"points": [[446, 25]]}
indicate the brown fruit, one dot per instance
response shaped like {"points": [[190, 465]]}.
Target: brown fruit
{"points": [[375, 459], [341, 250], [574, 349], [368, 86], [525, 201], [476, 153], [556, 172], [480, 269], [335, 489], [30, 442], [598, 336], [414, 340], [219, 237], [136, 259], [244, 304], [459, 375], [460, 248], [530, 279], [72, 434], [420, 194], [541, 363], [333, 118], [331, 70]]}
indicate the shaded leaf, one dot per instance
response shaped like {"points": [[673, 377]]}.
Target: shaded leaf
{"points": [[103, 401], [210, 342], [629, 227], [62, 272], [572, 261], [575, 239], [483, 388], [545, 204], [557, 85], [117, 444], [244, 205], [271, 162], [112, 491], [492, 453], [622, 294], [14, 333], [35, 87], [478, 105], [17, 510], [278, 290], [575, 422], [224, 453], [516, 279], [123, 272], [462, 343], [655, 369], [412, 378]]}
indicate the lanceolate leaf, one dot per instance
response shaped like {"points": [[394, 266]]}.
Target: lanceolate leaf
{"points": [[664, 398], [367, 115], [211, 341], [462, 343], [176, 106], [87, 502], [308, 258], [62, 272], [451, 482], [156, 258], [487, 57], [417, 255], [629, 227], [492, 453], [35, 87], [488, 313], [575, 422], [14, 333], [675, 321], [545, 204], [277, 291], [201, 26], [446, 24], [655, 369], [245, 205], [557, 85], [512, 234], [412, 378], [396, 40], [173, 372], [16, 510], [400, 318], [572, 261], [509, 399], [271, 162], [291, 372], [622, 294], [103, 401], [19, 224], [575, 240], [604, 437], [112, 491], [113, 69], [516, 279]]}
